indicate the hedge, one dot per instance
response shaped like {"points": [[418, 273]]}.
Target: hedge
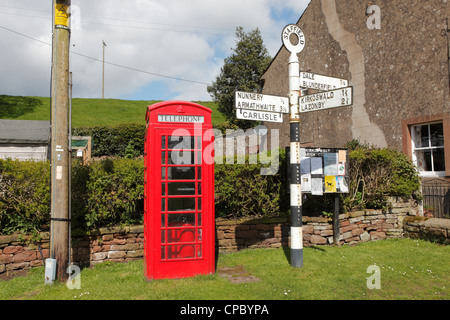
{"points": [[110, 192], [120, 141], [123, 141]]}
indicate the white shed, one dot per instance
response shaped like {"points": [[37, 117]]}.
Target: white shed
{"points": [[25, 140]]}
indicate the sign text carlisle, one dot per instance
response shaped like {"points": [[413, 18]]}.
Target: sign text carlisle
{"points": [[259, 115]]}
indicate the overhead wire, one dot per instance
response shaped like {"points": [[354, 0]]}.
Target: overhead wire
{"points": [[107, 62]]}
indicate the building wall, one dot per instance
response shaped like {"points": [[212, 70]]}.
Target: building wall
{"points": [[398, 72], [38, 152]]}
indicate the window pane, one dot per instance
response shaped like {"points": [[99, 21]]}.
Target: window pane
{"points": [[181, 142], [163, 157], [163, 142], [178, 220], [437, 135], [439, 160], [163, 189], [180, 235], [181, 157], [181, 252], [181, 173], [422, 137], [181, 188], [181, 204]]}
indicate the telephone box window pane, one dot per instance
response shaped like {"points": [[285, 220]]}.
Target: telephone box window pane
{"points": [[199, 203], [199, 251], [163, 252], [199, 222], [199, 157], [163, 204], [163, 173], [181, 252], [163, 189], [163, 157], [181, 236], [178, 220], [181, 142], [181, 188], [199, 142], [199, 173], [181, 204], [163, 142], [199, 188], [163, 220], [181, 157], [163, 236], [181, 173]]}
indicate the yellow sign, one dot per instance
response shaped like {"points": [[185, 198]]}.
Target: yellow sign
{"points": [[330, 184], [62, 15]]}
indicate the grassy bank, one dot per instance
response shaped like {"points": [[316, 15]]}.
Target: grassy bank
{"points": [[90, 112], [409, 269]]}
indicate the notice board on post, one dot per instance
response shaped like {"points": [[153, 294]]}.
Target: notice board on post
{"points": [[324, 170]]}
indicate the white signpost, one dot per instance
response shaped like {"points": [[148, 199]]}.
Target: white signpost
{"points": [[261, 102], [260, 107], [326, 100], [310, 80]]}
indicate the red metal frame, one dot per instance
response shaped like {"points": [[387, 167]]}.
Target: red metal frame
{"points": [[179, 191]]}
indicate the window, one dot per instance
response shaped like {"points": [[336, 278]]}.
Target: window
{"points": [[428, 148]]}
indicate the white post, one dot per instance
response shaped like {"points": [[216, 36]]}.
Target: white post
{"points": [[295, 187]]}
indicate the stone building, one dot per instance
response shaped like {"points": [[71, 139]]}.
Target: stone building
{"points": [[399, 71]]}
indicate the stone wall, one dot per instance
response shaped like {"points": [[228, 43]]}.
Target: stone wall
{"points": [[123, 244], [433, 229]]}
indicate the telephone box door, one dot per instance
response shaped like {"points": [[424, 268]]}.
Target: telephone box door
{"points": [[179, 191]]}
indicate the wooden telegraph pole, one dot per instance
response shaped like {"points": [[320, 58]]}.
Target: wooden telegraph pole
{"points": [[60, 193]]}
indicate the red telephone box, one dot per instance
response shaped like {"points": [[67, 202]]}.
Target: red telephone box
{"points": [[179, 191]]}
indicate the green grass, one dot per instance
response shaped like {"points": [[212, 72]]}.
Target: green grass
{"points": [[95, 112], [410, 270]]}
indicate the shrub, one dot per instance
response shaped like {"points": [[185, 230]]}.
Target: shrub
{"points": [[113, 193], [376, 174], [120, 141], [243, 192], [24, 196]]}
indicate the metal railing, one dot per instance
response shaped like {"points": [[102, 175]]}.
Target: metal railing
{"points": [[436, 201]]}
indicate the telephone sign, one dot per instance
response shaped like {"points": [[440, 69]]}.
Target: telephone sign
{"points": [[179, 191]]}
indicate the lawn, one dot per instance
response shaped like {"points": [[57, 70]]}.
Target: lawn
{"points": [[90, 112], [409, 270]]}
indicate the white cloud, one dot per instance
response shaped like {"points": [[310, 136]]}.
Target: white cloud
{"points": [[175, 38]]}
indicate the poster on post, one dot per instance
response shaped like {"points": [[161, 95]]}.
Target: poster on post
{"points": [[324, 170]]}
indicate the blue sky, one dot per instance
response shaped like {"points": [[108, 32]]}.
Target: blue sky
{"points": [[156, 50]]}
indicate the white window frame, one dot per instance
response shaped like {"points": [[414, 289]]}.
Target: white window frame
{"points": [[431, 173]]}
